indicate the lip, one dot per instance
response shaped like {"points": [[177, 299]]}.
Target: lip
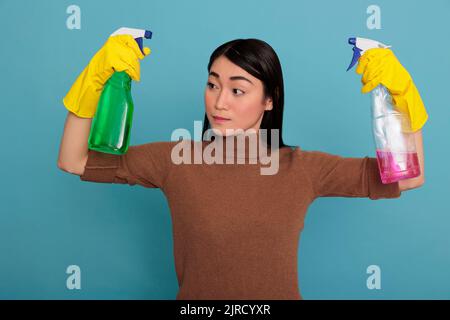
{"points": [[220, 119]]}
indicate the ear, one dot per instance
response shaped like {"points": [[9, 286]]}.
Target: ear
{"points": [[268, 104]]}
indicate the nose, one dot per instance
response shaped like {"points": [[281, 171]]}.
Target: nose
{"points": [[221, 102]]}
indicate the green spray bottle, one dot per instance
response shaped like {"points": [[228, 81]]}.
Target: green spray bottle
{"points": [[111, 125]]}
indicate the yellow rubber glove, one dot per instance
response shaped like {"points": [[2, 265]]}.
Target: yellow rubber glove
{"points": [[119, 53], [380, 65]]}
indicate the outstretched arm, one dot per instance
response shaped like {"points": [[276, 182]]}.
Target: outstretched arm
{"points": [[416, 182]]}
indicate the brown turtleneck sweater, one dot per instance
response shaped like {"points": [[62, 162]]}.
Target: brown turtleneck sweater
{"points": [[236, 231]]}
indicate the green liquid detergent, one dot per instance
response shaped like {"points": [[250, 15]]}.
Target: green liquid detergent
{"points": [[111, 126]]}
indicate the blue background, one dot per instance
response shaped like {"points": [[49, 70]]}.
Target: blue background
{"points": [[121, 236]]}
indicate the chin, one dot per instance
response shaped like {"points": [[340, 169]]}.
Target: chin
{"points": [[222, 131]]}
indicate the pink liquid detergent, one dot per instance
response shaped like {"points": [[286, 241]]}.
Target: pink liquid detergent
{"points": [[397, 166]]}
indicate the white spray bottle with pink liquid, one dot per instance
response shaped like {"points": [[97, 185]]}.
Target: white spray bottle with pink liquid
{"points": [[394, 139]]}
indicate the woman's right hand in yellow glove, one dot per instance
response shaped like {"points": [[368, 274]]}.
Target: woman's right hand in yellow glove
{"points": [[119, 53]]}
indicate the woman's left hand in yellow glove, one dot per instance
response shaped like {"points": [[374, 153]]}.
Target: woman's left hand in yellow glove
{"points": [[380, 66]]}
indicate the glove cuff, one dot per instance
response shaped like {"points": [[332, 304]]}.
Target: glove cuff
{"points": [[83, 96], [411, 104]]}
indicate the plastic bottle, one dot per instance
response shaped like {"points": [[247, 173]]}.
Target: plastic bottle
{"points": [[111, 125], [394, 140]]}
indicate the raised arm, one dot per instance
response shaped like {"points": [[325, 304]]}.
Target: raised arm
{"points": [[119, 53], [73, 150], [332, 175]]}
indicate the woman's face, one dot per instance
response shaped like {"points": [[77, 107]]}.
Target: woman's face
{"points": [[233, 93]]}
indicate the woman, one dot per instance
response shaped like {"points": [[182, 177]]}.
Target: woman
{"points": [[235, 230]]}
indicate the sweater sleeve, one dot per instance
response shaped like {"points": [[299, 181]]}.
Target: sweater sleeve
{"points": [[332, 175], [146, 165]]}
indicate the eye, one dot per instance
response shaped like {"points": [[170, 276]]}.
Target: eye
{"points": [[234, 91], [210, 85]]}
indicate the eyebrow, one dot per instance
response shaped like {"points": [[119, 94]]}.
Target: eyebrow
{"points": [[216, 75]]}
